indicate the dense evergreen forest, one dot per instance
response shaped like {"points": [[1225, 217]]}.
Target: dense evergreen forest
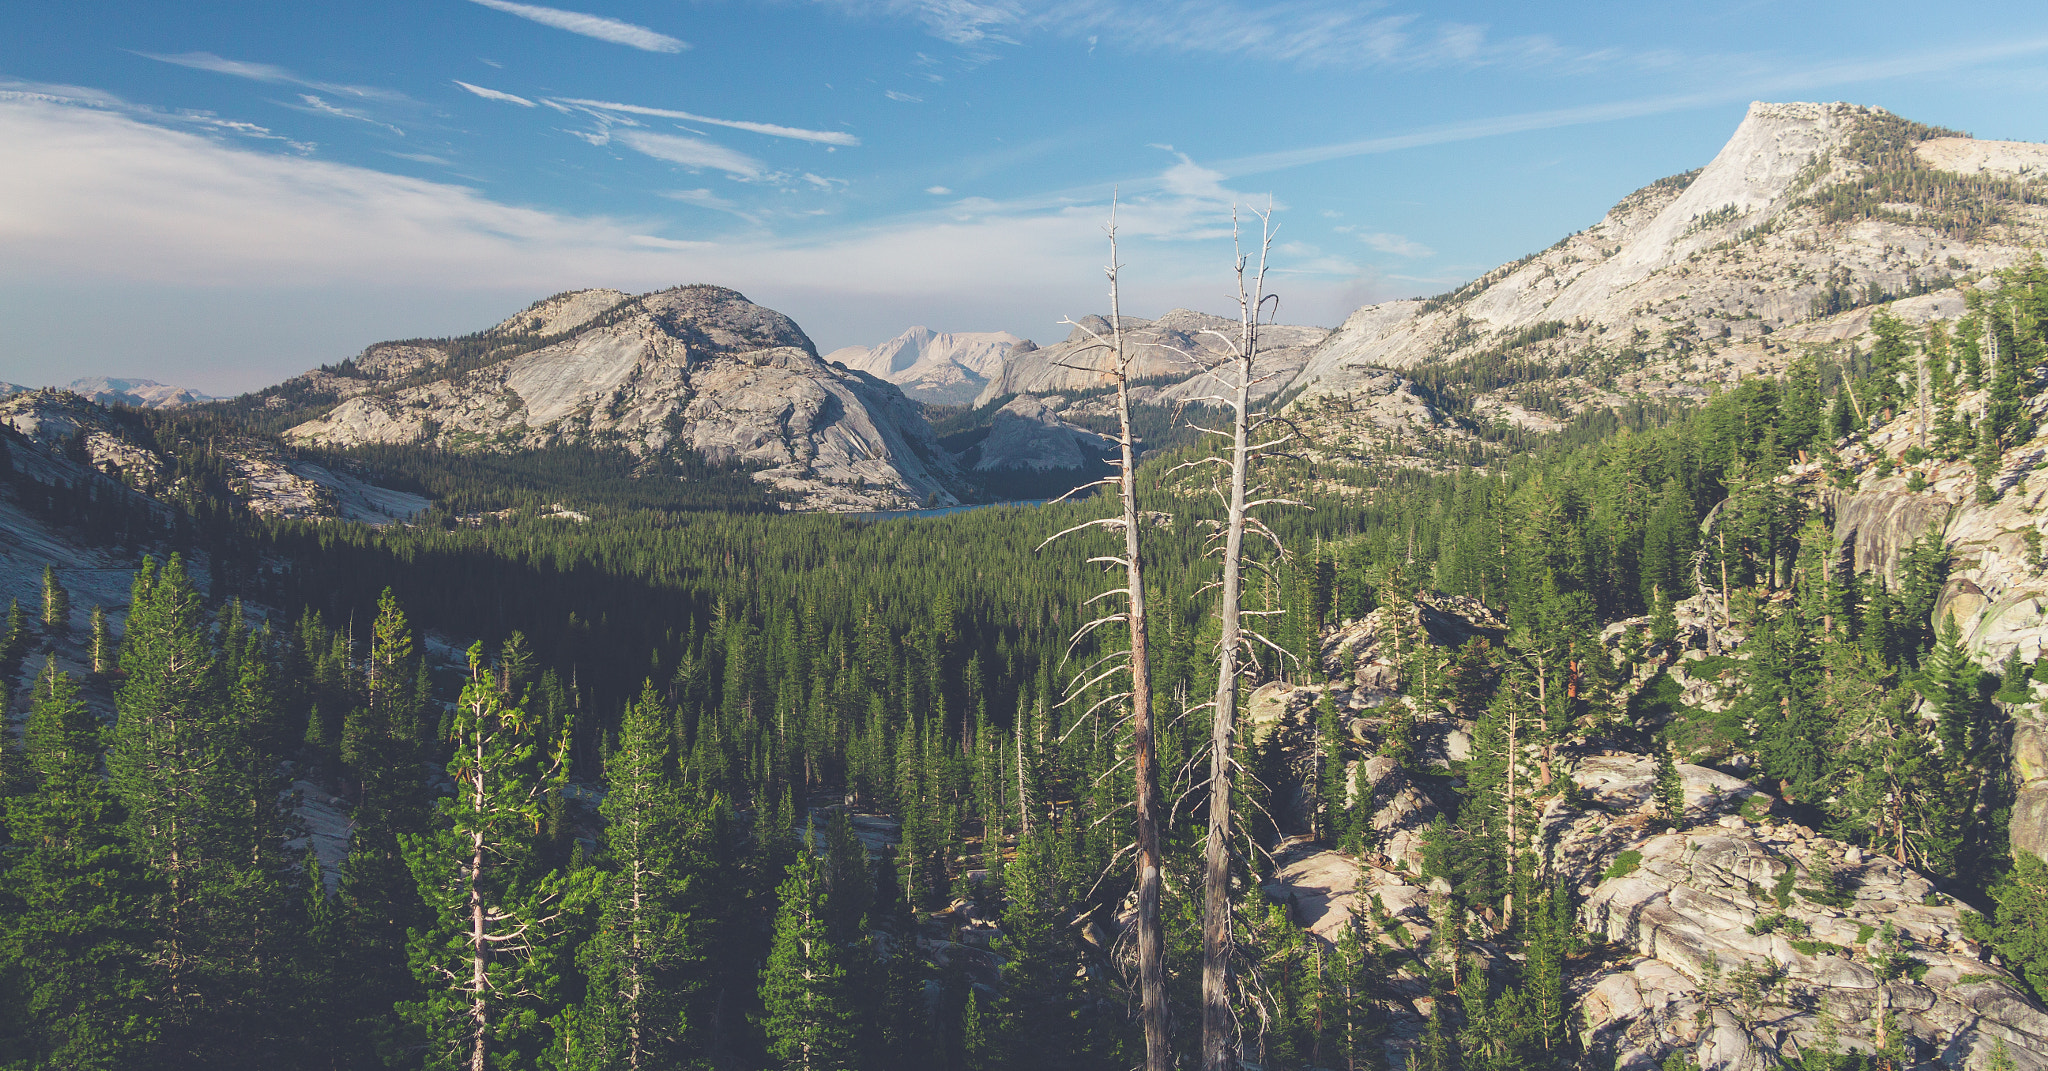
{"points": [[678, 786]]}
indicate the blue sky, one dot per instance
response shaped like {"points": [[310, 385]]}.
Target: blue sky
{"points": [[221, 195]]}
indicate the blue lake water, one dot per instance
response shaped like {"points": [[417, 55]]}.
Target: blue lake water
{"points": [[889, 515]]}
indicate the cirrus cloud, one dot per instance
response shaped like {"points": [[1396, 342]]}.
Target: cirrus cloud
{"points": [[594, 26], [692, 153], [494, 94]]}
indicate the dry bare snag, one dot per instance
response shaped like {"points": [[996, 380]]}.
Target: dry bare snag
{"points": [[1237, 377], [1151, 939]]}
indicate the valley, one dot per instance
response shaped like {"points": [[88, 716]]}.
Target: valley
{"points": [[1644, 668]]}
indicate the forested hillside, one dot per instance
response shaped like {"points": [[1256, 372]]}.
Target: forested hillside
{"points": [[1684, 736]]}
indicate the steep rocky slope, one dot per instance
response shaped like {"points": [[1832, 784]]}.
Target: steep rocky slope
{"points": [[270, 480], [1027, 433], [1739, 941], [941, 367], [696, 368], [1810, 214], [1997, 589]]}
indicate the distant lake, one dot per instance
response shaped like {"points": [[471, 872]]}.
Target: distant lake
{"points": [[892, 514]]}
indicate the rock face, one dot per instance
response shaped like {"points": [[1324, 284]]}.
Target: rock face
{"points": [[1176, 348], [1027, 433], [1695, 281], [1696, 912], [941, 367], [561, 313], [63, 422], [1997, 590], [1737, 247], [270, 480], [1738, 942], [696, 368]]}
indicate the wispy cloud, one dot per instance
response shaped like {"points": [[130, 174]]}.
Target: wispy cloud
{"points": [[82, 97], [1398, 245], [967, 23], [320, 107], [824, 137], [272, 73], [903, 97], [95, 207], [494, 94], [597, 26], [938, 191], [692, 153], [422, 158], [702, 198], [1312, 33], [1847, 72]]}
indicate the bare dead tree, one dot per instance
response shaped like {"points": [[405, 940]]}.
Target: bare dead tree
{"points": [[1237, 377], [1151, 940]]}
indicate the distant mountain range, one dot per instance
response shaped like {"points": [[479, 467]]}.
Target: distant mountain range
{"points": [[941, 367], [1811, 218], [140, 393]]}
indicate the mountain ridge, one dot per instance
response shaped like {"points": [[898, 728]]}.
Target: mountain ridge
{"points": [[697, 368]]}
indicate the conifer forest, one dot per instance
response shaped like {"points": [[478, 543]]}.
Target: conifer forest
{"points": [[688, 782]]}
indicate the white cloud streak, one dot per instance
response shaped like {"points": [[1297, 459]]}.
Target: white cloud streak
{"points": [[495, 94], [823, 137], [274, 74], [100, 195], [1848, 72], [595, 26], [691, 153], [1308, 33], [320, 107], [1397, 245]]}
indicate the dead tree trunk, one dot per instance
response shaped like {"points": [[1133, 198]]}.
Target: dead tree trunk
{"points": [[1151, 937], [1144, 759], [1219, 1034]]}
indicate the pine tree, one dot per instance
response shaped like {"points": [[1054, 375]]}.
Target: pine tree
{"points": [[1670, 787], [74, 936], [14, 645], [975, 1046], [187, 766], [102, 652], [807, 1013], [644, 964], [1354, 1026], [56, 604], [488, 955], [1333, 778]]}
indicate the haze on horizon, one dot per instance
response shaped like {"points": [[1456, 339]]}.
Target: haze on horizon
{"points": [[221, 199]]}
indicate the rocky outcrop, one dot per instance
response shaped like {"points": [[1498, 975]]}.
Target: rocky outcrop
{"points": [[1176, 348], [1997, 587], [561, 313], [1737, 942], [1689, 284], [268, 478], [1026, 433], [696, 368], [1742, 944], [1727, 259], [273, 482], [63, 422], [941, 367]]}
